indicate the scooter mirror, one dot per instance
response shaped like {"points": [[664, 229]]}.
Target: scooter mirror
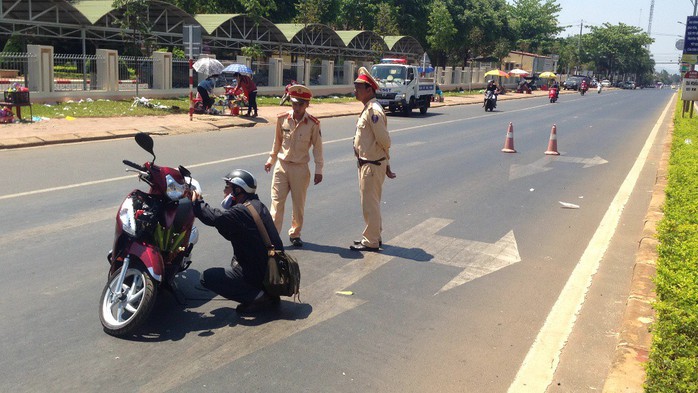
{"points": [[184, 171], [145, 142]]}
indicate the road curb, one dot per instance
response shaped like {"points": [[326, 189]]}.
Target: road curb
{"points": [[627, 373]]}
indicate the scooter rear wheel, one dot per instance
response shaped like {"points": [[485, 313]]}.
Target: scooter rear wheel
{"points": [[122, 312]]}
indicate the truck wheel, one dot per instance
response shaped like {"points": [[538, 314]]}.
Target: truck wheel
{"points": [[407, 109], [423, 110]]}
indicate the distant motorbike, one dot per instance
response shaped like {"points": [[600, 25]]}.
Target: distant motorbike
{"points": [[599, 87], [490, 100], [583, 88], [153, 240], [552, 95], [286, 97]]}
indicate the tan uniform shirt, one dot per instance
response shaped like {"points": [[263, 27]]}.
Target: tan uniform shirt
{"points": [[372, 140], [293, 140]]}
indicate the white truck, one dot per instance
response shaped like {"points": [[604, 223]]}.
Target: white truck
{"points": [[400, 87]]}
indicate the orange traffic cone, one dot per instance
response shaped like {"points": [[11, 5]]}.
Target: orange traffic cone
{"points": [[552, 143], [509, 142]]}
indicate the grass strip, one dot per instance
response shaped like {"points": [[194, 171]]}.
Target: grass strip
{"points": [[673, 359]]}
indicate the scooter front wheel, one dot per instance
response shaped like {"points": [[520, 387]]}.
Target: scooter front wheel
{"points": [[122, 310]]}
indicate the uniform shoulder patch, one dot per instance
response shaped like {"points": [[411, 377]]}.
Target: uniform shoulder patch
{"points": [[375, 118], [376, 106], [313, 119]]}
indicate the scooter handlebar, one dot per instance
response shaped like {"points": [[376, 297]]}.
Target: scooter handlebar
{"points": [[133, 165]]}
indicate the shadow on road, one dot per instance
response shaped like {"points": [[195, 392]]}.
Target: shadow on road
{"points": [[414, 254], [173, 316]]}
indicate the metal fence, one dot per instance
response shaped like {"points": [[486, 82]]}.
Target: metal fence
{"points": [[136, 73], [13, 69], [260, 74], [315, 71], [74, 72], [180, 74], [338, 74]]}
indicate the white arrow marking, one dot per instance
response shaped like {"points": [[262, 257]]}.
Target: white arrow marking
{"points": [[477, 259], [588, 162], [419, 243], [541, 165]]}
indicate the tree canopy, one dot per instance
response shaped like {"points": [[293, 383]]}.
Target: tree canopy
{"points": [[452, 31]]}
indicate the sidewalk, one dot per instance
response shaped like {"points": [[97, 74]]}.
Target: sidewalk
{"points": [[627, 372], [55, 131]]}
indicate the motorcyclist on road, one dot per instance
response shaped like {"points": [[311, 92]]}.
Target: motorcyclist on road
{"points": [[492, 86], [556, 86], [584, 86]]}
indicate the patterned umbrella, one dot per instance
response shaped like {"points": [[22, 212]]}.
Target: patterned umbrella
{"points": [[496, 72], [208, 66], [518, 72], [238, 68]]}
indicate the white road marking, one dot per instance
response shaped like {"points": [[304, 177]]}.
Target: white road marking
{"points": [[538, 368], [232, 344], [541, 165], [225, 160]]}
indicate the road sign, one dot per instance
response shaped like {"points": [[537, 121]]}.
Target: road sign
{"points": [[191, 38], [690, 45], [689, 87]]}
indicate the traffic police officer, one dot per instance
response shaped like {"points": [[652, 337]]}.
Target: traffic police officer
{"points": [[371, 148], [296, 132]]}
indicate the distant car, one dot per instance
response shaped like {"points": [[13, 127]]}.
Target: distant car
{"points": [[628, 85], [572, 83], [606, 83]]}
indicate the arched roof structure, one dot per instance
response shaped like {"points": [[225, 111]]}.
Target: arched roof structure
{"points": [[404, 45], [97, 21], [41, 18], [167, 20], [232, 31], [315, 38]]}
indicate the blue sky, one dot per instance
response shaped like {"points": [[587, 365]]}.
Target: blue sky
{"points": [[665, 29]]}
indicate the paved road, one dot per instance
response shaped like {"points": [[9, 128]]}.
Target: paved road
{"points": [[478, 250]]}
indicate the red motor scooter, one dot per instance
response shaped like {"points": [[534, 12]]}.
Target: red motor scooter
{"points": [[552, 95], [154, 237]]}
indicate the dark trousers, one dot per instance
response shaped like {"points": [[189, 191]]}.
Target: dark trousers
{"points": [[252, 104], [205, 98], [228, 283]]}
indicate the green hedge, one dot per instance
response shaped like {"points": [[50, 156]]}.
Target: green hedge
{"points": [[673, 360]]}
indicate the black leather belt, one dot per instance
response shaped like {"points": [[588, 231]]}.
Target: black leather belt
{"points": [[362, 162]]}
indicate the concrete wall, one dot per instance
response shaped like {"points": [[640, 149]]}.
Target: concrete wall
{"points": [[40, 78]]}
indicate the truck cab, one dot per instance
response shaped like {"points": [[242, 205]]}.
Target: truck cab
{"points": [[400, 87]]}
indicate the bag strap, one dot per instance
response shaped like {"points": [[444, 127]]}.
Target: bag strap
{"points": [[260, 225]]}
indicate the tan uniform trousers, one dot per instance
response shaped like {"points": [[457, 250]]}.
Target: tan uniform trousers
{"points": [[293, 178], [371, 178]]}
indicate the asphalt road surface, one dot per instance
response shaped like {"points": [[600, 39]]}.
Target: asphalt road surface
{"points": [[478, 252]]}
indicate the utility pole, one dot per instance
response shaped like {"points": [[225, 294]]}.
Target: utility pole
{"points": [[579, 46]]}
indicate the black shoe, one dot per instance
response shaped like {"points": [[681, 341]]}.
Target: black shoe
{"points": [[357, 242], [361, 247], [255, 114], [296, 242], [259, 304]]}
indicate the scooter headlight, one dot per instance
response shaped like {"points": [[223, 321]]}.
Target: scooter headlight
{"points": [[127, 215], [174, 190]]}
